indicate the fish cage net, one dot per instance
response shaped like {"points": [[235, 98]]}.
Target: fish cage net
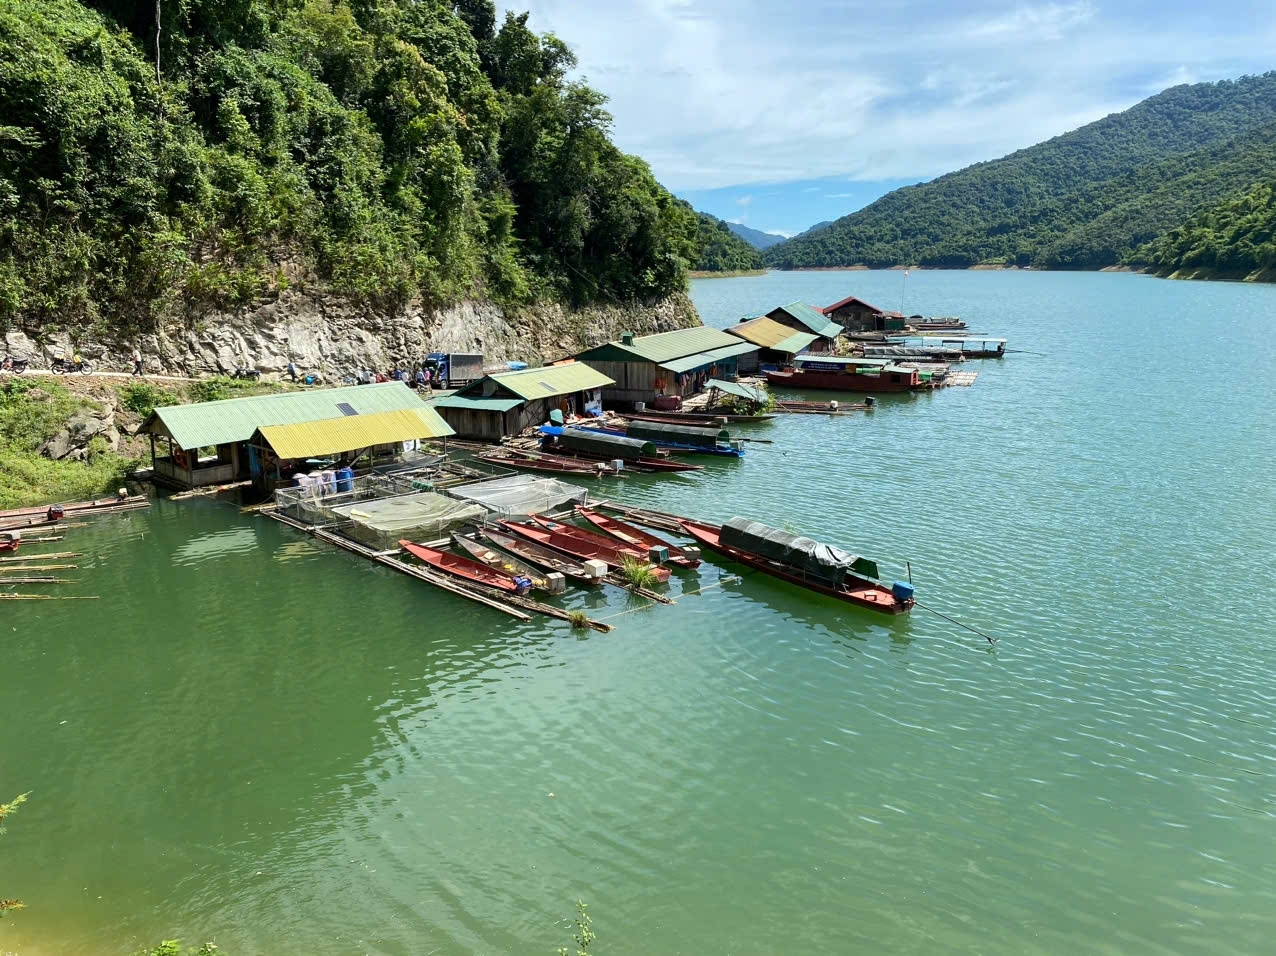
{"points": [[520, 494], [381, 522], [316, 503]]}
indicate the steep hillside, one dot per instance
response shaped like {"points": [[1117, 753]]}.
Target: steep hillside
{"points": [[388, 151], [721, 250], [1235, 239], [1040, 206], [755, 237]]}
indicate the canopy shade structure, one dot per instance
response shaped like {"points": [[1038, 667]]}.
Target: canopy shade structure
{"points": [[747, 392], [334, 435], [520, 494], [809, 556], [382, 522]]}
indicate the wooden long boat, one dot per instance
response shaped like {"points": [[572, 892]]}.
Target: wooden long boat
{"points": [[579, 544], [466, 568], [637, 537], [485, 554], [855, 589], [687, 417], [537, 554], [554, 464], [637, 464]]}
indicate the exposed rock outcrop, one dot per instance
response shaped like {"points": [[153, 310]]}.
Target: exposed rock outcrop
{"points": [[327, 334]]}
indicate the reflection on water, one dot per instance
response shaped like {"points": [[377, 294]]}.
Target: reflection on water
{"points": [[285, 748]]}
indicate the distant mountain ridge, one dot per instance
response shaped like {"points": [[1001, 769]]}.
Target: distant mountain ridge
{"points": [[719, 249], [1083, 200], [755, 237]]}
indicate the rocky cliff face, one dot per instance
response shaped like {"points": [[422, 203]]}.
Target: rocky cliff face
{"points": [[327, 334]]}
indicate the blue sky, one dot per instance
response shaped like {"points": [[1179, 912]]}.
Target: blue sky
{"points": [[780, 114]]}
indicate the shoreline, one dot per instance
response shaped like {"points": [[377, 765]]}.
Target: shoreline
{"points": [[731, 274]]}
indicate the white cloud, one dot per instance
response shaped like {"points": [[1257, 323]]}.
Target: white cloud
{"points": [[725, 92]]}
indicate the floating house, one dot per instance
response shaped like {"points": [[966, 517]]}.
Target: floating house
{"points": [[777, 344], [208, 443], [855, 315], [801, 317], [503, 404], [647, 368], [280, 451]]}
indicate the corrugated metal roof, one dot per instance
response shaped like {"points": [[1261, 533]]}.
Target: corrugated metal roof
{"points": [[666, 346], [552, 380], [478, 403], [349, 433], [738, 390], [803, 360], [235, 419], [812, 318], [702, 359], [770, 334]]}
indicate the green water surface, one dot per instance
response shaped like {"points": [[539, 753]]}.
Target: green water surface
{"points": [[254, 739]]}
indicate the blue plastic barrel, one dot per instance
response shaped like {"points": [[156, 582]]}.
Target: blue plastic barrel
{"points": [[345, 479], [902, 591]]}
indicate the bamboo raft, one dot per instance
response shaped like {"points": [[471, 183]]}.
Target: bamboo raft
{"points": [[52, 556], [512, 605]]}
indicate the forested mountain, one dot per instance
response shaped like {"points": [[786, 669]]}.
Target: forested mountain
{"points": [[755, 237], [1235, 238], [721, 250], [388, 149], [1085, 199]]}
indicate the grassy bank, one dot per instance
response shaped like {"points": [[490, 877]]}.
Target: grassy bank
{"points": [[34, 411], [731, 274]]}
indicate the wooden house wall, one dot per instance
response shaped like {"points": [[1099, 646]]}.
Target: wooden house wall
{"points": [[483, 425]]}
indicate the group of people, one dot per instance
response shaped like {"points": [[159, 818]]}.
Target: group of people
{"points": [[422, 379]]}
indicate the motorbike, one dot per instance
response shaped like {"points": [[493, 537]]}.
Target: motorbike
{"points": [[15, 366], [244, 372], [61, 365]]}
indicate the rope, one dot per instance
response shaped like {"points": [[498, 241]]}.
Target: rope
{"points": [[990, 640]]}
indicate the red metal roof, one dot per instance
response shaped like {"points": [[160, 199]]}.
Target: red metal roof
{"points": [[828, 309]]}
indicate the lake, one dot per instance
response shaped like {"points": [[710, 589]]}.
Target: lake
{"points": [[252, 738]]}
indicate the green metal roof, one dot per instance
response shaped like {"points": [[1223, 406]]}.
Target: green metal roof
{"points": [[551, 380], [812, 318], [235, 419], [795, 343], [477, 403], [664, 346], [701, 359]]}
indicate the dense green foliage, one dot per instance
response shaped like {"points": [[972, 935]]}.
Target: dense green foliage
{"points": [[721, 250], [386, 148], [1234, 238], [1082, 200], [32, 412]]}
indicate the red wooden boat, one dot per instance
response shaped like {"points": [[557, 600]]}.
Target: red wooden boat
{"points": [[466, 568], [637, 537], [857, 589], [539, 555], [636, 464], [583, 545], [10, 540]]}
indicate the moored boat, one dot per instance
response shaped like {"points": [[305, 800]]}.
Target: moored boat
{"points": [[804, 562], [588, 445], [542, 557], [578, 543], [10, 540], [689, 417], [638, 538], [839, 374], [554, 464], [485, 554], [679, 439], [466, 568]]}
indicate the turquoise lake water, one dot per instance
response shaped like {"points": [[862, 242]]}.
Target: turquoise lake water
{"points": [[254, 739]]}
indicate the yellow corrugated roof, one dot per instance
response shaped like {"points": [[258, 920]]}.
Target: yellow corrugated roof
{"points": [[765, 332], [352, 432]]}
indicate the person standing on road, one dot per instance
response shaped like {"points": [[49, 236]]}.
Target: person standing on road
{"points": [[136, 356], [292, 370]]}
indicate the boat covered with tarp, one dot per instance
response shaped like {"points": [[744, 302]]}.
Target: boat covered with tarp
{"points": [[673, 434], [804, 561], [601, 443]]}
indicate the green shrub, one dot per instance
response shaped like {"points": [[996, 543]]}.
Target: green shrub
{"points": [[144, 397]]}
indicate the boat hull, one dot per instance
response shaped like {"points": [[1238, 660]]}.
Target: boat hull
{"points": [[545, 558], [579, 544], [636, 537], [508, 564], [866, 593], [840, 382], [465, 568]]}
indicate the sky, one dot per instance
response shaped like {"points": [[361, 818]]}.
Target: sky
{"points": [[782, 114]]}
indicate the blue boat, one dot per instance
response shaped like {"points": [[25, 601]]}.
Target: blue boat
{"points": [[680, 439]]}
